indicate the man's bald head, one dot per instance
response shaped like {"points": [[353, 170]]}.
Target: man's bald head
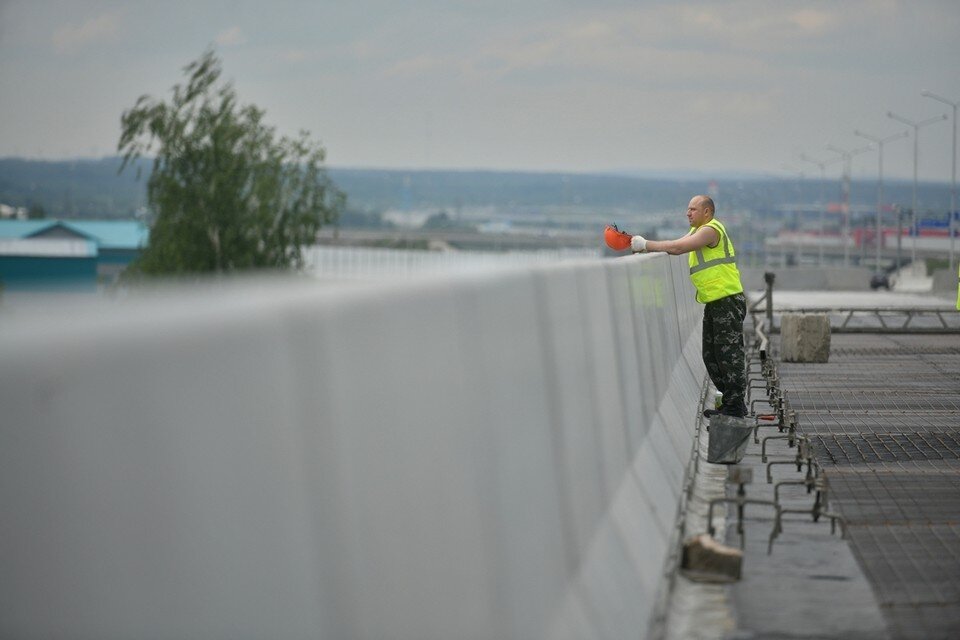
{"points": [[707, 203], [700, 210]]}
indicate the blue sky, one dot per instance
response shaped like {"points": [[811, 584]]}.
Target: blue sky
{"points": [[522, 84]]}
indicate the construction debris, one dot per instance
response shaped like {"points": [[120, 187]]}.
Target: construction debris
{"points": [[706, 560]]}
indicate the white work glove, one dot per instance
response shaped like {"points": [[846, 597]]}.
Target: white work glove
{"points": [[638, 244]]}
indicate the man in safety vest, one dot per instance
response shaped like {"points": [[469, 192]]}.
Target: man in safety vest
{"points": [[714, 273]]}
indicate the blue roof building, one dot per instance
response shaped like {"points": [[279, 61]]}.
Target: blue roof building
{"points": [[72, 255]]}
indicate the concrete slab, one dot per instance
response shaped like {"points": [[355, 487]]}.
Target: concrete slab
{"points": [[810, 585], [883, 422]]}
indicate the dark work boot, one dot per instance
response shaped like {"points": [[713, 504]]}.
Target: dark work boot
{"points": [[736, 412]]}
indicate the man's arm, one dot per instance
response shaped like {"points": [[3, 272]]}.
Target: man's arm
{"points": [[704, 236]]}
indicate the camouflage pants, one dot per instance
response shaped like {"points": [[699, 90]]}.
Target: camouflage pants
{"points": [[723, 350]]}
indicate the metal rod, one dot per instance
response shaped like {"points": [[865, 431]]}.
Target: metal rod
{"points": [[845, 191], [953, 178], [880, 142], [916, 147]]}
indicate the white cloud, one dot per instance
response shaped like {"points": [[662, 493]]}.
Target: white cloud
{"points": [[729, 36], [73, 36], [523, 83], [231, 37], [633, 46]]}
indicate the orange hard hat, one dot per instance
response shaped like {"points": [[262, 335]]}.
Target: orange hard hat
{"points": [[616, 239]]}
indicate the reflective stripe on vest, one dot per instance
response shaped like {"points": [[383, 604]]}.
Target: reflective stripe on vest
{"points": [[713, 270], [706, 264]]}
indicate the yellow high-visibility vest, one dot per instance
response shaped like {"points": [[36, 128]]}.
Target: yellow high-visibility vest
{"points": [[714, 270]]}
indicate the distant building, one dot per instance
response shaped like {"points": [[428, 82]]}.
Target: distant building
{"points": [[67, 255], [12, 213]]}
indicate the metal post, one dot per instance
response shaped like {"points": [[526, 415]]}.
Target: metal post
{"points": [[823, 202], [953, 178], [799, 223], [823, 207], [797, 215], [878, 240], [916, 152], [953, 196], [880, 142], [899, 236], [847, 169], [768, 278], [915, 228]]}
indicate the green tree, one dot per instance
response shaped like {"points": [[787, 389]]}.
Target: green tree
{"points": [[225, 193]]}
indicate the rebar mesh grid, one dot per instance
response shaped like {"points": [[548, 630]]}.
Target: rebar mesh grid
{"points": [[895, 350], [897, 492], [928, 372], [915, 572], [884, 421], [853, 448], [851, 423]]}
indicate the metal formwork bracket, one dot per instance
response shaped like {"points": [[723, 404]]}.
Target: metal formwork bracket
{"points": [[834, 519], [741, 501], [763, 446], [756, 428], [770, 468], [776, 487]]}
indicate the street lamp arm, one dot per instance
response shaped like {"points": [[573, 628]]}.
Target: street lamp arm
{"points": [[842, 152], [874, 139], [891, 114], [851, 153], [897, 136], [917, 125], [820, 163], [939, 118], [929, 94]]}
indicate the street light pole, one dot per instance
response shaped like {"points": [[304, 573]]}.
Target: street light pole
{"points": [[797, 213], [880, 142], [823, 203], [916, 139], [847, 169], [953, 174]]}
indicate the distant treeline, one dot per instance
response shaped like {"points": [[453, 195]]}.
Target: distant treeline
{"points": [[73, 189], [93, 188]]}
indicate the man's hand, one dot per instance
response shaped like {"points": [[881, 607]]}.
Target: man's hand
{"points": [[638, 244]]}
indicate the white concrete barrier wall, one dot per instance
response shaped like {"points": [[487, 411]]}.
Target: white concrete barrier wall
{"points": [[367, 263], [495, 457]]}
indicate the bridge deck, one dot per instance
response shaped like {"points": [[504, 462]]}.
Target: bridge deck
{"points": [[883, 421]]}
